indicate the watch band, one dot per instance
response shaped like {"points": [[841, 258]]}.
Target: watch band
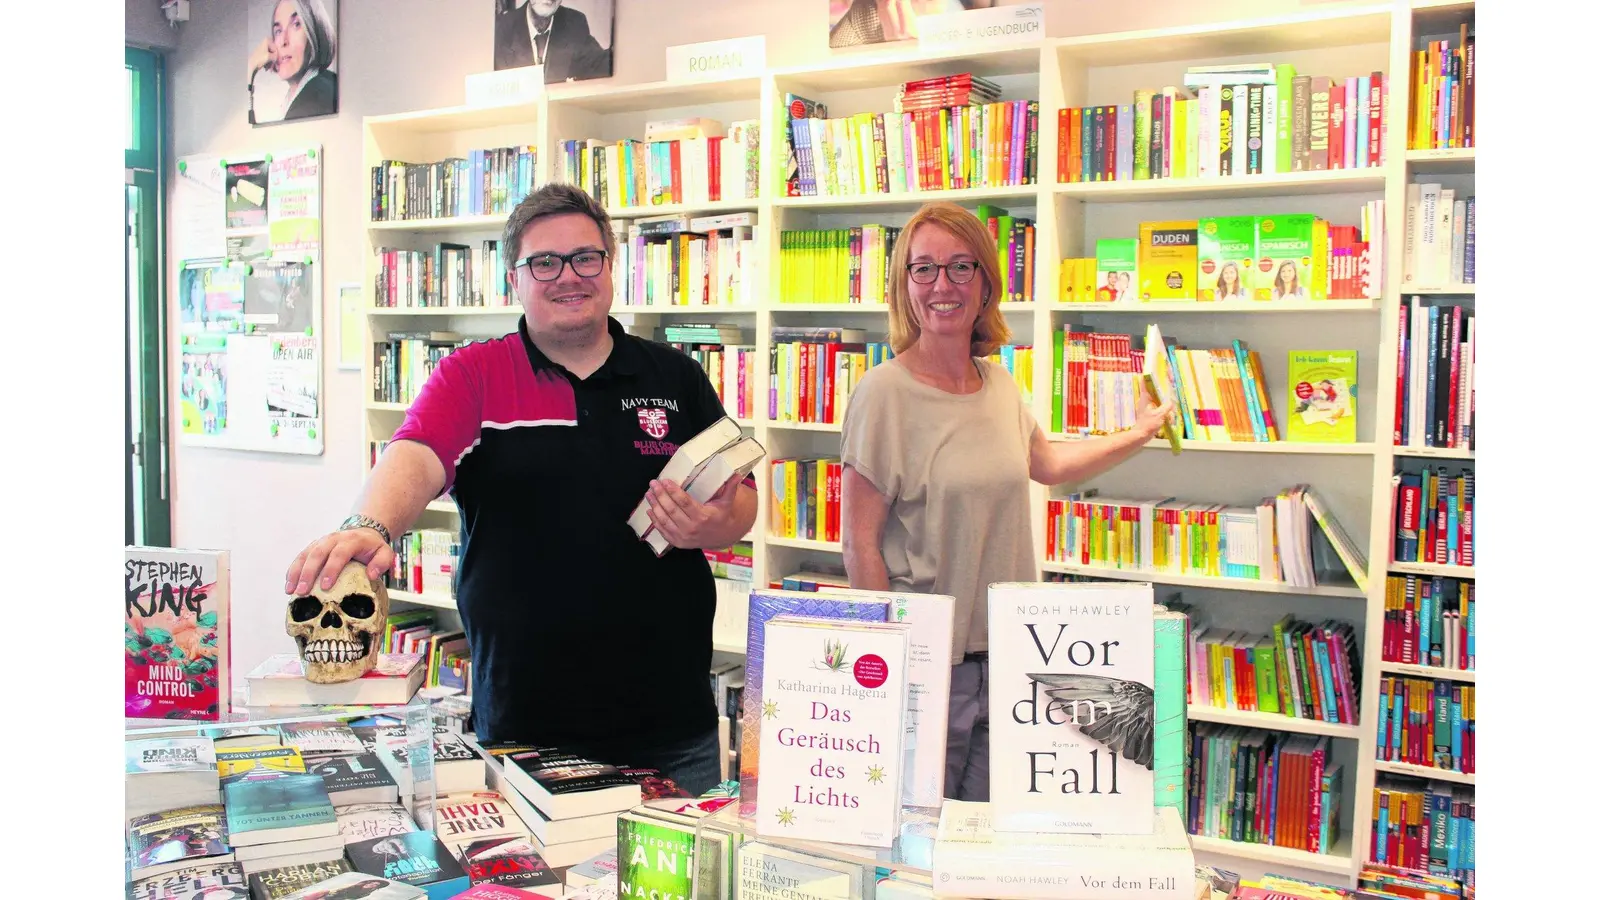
{"points": [[360, 521]]}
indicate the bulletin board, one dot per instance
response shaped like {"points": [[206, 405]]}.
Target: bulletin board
{"points": [[247, 234]]}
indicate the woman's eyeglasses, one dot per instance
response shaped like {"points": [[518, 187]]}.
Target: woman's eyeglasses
{"points": [[959, 272]]}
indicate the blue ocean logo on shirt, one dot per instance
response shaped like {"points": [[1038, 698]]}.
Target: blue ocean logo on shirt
{"points": [[654, 421]]}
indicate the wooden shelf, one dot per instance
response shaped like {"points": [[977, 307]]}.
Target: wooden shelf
{"points": [[1430, 569], [1467, 676], [1157, 308], [907, 201], [1454, 161], [454, 118], [1272, 722], [1287, 447], [1335, 181], [1226, 584], [1449, 290], [722, 310], [803, 544], [1400, 768], [709, 208], [432, 600], [806, 426], [442, 505], [653, 96], [1337, 860], [1268, 35], [444, 310], [849, 308], [387, 407], [1435, 452], [495, 223]]}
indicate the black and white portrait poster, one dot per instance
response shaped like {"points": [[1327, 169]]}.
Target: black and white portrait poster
{"points": [[855, 22], [293, 59], [570, 38]]}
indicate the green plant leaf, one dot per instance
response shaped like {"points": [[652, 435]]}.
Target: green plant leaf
{"points": [[208, 620], [158, 635]]}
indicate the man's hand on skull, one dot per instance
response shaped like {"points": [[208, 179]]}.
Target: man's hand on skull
{"points": [[320, 563]]}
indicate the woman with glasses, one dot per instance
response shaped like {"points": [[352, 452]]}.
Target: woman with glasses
{"points": [[938, 449]]}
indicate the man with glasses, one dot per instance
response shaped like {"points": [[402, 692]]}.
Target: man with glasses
{"points": [[581, 637]]}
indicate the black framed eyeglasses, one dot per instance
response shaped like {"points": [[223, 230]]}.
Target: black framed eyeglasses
{"points": [[548, 266], [958, 272]]}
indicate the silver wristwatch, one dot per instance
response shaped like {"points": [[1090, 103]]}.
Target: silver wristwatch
{"points": [[360, 521]]}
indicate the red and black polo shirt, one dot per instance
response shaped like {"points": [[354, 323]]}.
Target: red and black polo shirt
{"points": [[580, 635]]}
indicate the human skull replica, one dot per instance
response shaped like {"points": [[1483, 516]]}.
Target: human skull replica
{"points": [[338, 629]]}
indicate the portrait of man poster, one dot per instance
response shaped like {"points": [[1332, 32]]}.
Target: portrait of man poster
{"points": [[572, 39], [292, 59], [852, 23]]}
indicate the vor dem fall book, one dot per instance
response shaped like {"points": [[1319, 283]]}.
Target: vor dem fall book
{"points": [[175, 640], [1072, 707]]}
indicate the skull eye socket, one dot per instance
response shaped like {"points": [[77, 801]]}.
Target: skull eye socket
{"points": [[358, 606], [304, 609]]}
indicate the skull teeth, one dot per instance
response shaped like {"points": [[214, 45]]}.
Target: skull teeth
{"points": [[333, 651]]}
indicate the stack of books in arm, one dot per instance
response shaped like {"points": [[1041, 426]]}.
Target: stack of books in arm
{"points": [[701, 466]]}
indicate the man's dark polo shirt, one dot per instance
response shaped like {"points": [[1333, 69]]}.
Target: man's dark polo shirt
{"points": [[580, 635]]}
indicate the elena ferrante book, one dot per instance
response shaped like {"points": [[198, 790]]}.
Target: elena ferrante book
{"points": [[832, 730], [766, 872], [175, 638], [1072, 707]]}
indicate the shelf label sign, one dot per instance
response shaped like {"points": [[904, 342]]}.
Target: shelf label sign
{"points": [[505, 87], [744, 57], [997, 27]]}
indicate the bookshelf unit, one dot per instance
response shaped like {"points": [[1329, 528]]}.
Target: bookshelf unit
{"points": [[1352, 479]]}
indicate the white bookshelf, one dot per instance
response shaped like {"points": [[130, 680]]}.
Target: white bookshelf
{"points": [[1353, 479]]}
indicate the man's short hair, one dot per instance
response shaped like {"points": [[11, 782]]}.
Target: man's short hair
{"points": [[553, 200]]}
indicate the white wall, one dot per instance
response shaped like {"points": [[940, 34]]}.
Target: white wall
{"points": [[400, 55], [144, 25]]}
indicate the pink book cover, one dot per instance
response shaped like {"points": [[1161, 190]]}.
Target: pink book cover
{"points": [[175, 640]]}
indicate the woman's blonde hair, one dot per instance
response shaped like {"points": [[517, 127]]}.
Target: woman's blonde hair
{"points": [[989, 332]]}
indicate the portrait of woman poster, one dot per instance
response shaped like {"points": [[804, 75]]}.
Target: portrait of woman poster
{"points": [[292, 59]]}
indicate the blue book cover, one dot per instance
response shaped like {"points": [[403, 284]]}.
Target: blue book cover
{"points": [[1171, 726], [415, 858], [764, 606], [263, 808]]}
